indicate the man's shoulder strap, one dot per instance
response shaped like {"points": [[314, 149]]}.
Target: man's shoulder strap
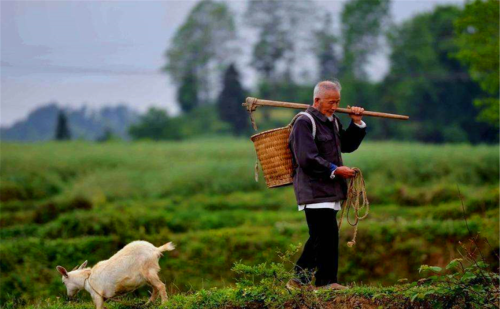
{"points": [[312, 121], [337, 121]]}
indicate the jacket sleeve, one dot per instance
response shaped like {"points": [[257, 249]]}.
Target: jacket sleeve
{"points": [[351, 138], [305, 150]]}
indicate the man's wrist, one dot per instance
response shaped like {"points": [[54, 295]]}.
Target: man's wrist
{"points": [[333, 168], [361, 124]]}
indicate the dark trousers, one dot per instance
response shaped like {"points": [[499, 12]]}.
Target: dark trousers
{"points": [[321, 251]]}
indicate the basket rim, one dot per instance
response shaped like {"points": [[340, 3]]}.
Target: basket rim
{"points": [[282, 184], [268, 131]]}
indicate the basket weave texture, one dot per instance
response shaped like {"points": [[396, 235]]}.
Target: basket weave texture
{"points": [[274, 155]]}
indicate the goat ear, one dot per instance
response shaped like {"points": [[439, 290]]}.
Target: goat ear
{"points": [[62, 271], [83, 265]]}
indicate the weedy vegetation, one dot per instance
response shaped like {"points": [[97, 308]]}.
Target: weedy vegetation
{"points": [[64, 203]]}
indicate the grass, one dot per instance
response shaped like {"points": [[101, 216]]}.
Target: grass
{"points": [[63, 203]]}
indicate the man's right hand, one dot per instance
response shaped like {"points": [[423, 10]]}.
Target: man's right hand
{"points": [[344, 172]]}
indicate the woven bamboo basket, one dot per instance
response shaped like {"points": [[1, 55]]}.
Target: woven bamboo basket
{"points": [[274, 156]]}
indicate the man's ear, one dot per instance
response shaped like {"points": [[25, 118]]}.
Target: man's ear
{"points": [[62, 271], [83, 265]]}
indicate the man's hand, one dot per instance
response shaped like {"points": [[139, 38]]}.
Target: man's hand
{"points": [[356, 117], [344, 172]]}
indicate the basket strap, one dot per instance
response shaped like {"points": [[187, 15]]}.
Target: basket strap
{"points": [[256, 175], [310, 117]]}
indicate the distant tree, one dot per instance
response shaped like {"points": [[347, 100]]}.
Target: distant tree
{"points": [[156, 125], [324, 48], [40, 124], [429, 85], [202, 121], [187, 94], [230, 99], [62, 128], [362, 26], [106, 136], [282, 26], [201, 48], [478, 40], [268, 50]]}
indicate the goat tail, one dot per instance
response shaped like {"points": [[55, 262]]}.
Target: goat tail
{"points": [[167, 247]]}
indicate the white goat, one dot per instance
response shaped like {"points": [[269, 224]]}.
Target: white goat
{"points": [[130, 268]]}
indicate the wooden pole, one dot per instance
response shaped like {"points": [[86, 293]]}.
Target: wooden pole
{"points": [[252, 103]]}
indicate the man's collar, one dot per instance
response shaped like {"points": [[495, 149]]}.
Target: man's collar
{"points": [[317, 113]]}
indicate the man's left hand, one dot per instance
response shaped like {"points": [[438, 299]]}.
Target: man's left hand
{"points": [[357, 114]]}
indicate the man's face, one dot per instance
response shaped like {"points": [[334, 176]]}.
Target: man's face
{"points": [[328, 102]]}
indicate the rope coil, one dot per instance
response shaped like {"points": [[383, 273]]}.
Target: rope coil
{"points": [[356, 192]]}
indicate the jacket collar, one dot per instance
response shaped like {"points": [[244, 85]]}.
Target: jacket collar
{"points": [[317, 114]]}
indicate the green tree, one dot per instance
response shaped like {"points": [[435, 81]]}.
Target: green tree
{"points": [[156, 125], [324, 48], [62, 128], [283, 30], [477, 31], [202, 121], [229, 103], [187, 94], [429, 85], [282, 27], [202, 48], [107, 135], [362, 25]]}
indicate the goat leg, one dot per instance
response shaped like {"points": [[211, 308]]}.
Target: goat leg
{"points": [[153, 297], [98, 301]]}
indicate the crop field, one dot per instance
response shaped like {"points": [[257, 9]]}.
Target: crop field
{"points": [[64, 203]]}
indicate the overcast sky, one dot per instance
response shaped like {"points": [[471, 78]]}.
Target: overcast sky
{"points": [[106, 52]]}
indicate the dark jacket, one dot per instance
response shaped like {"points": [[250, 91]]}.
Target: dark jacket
{"points": [[312, 158]]}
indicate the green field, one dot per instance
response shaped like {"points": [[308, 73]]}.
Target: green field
{"points": [[64, 203]]}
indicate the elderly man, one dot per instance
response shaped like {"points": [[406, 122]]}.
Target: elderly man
{"points": [[319, 181]]}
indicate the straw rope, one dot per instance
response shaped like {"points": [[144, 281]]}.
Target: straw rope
{"points": [[356, 192], [251, 108]]}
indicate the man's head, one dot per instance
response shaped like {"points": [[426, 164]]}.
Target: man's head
{"points": [[327, 97]]}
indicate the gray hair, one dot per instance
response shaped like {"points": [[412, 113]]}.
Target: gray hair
{"points": [[326, 85]]}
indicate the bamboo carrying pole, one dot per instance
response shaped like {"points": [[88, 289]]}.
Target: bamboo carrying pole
{"points": [[252, 103]]}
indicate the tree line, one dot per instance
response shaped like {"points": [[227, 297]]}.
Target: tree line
{"points": [[443, 68]]}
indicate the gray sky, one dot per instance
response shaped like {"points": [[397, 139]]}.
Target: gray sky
{"points": [[104, 53]]}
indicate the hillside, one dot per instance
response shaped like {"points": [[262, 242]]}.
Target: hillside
{"points": [[263, 286], [84, 123], [90, 200]]}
